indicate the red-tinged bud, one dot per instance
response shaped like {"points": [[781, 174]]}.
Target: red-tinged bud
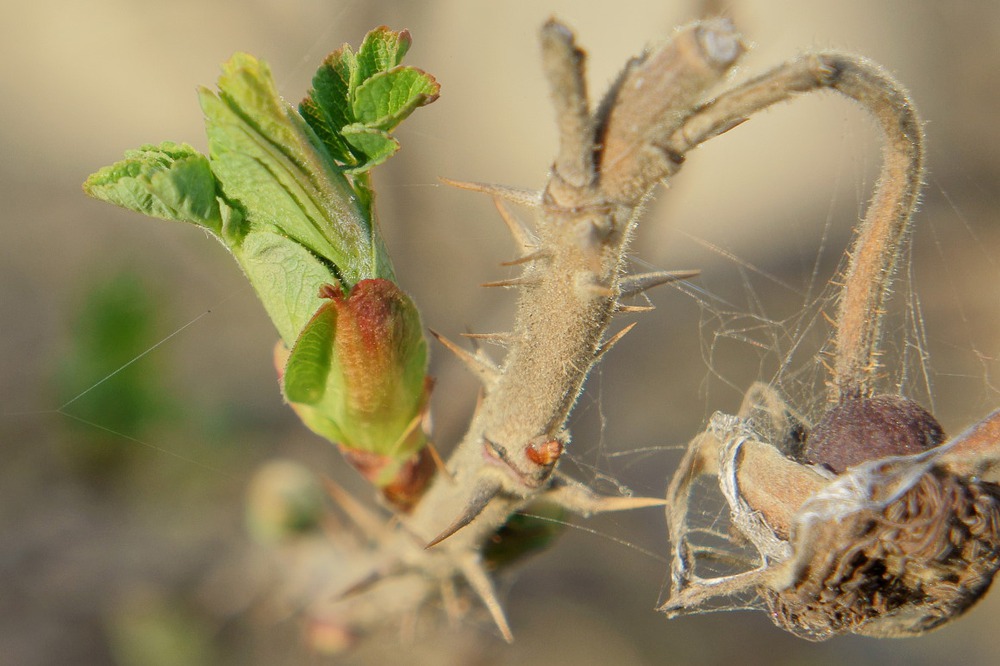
{"points": [[357, 376], [545, 453]]}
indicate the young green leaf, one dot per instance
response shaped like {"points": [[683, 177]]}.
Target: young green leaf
{"points": [[268, 159], [170, 181], [309, 364], [373, 144], [381, 50], [387, 98], [284, 274], [357, 99]]}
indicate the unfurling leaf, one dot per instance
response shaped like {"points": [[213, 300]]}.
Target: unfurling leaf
{"points": [[357, 99], [170, 181]]}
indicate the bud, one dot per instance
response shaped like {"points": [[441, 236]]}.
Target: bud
{"points": [[357, 376]]}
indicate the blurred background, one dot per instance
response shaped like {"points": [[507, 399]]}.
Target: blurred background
{"points": [[136, 389]]}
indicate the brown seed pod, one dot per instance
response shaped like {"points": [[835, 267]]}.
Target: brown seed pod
{"points": [[885, 551], [861, 428]]}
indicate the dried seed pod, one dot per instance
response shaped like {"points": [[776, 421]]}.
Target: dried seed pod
{"points": [[892, 548], [861, 428]]}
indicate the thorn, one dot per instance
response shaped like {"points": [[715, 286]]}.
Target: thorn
{"points": [[502, 339], [518, 195], [512, 282], [477, 363], [634, 308], [481, 496], [480, 397], [370, 524], [534, 256], [449, 599], [481, 584], [636, 284], [733, 124], [613, 340], [522, 236], [411, 427], [366, 582], [580, 499], [439, 462]]}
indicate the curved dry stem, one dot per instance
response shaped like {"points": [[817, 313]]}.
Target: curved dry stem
{"points": [[880, 236]]}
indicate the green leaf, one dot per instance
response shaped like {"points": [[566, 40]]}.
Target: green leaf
{"points": [[357, 98], [387, 98], [375, 145], [381, 50], [327, 111], [327, 106], [286, 277], [170, 181], [309, 363], [269, 161]]}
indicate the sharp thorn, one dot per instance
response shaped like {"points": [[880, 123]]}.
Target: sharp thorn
{"points": [[481, 496], [518, 195], [450, 601], [512, 282], [477, 363], [481, 584], [502, 339], [636, 284], [366, 582], [370, 524], [411, 427], [480, 397], [613, 340], [439, 462], [534, 256], [634, 308], [725, 128], [522, 236], [580, 499]]}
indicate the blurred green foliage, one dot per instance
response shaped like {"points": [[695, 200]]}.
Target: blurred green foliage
{"points": [[109, 398]]}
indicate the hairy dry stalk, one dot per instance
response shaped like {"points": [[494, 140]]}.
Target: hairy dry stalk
{"points": [[874, 251]]}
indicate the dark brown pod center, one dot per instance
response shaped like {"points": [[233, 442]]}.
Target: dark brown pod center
{"points": [[859, 429]]}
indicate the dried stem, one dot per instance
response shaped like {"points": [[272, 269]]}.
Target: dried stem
{"points": [[879, 238]]}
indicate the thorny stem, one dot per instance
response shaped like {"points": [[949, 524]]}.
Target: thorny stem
{"points": [[877, 244], [570, 293]]}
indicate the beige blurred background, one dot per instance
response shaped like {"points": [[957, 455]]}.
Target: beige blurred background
{"points": [[114, 540]]}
